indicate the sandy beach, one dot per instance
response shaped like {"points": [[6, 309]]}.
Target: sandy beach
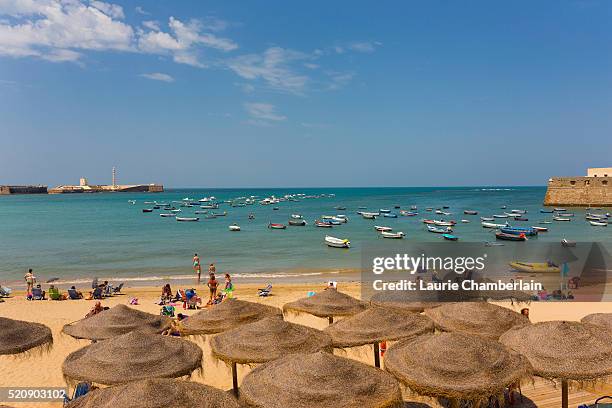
{"points": [[45, 369]]}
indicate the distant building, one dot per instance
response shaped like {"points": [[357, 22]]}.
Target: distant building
{"points": [[594, 190], [9, 190], [85, 187]]}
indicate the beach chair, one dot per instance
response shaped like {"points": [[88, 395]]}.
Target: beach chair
{"points": [[5, 292], [81, 389], [108, 290], [54, 294], [73, 294], [38, 294], [117, 290], [167, 310], [265, 292], [97, 293]]}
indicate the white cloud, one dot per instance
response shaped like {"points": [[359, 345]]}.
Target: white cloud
{"points": [[151, 25], [112, 10], [273, 67], [142, 11], [339, 79], [158, 76], [263, 112]]}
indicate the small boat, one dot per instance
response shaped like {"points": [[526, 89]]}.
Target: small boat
{"points": [[251, 216], [337, 242], [322, 224], [500, 216], [167, 215], [382, 229], [296, 216], [545, 222], [429, 222], [234, 227], [339, 220], [397, 207], [450, 237], [560, 210], [540, 229], [132, 202], [561, 219], [276, 226], [297, 223], [519, 211], [390, 215], [147, 210], [543, 211], [465, 221], [327, 217], [513, 215], [445, 206], [223, 214], [565, 214], [503, 207], [437, 230], [521, 219], [201, 212], [429, 209], [492, 244], [598, 223], [487, 219], [568, 244], [187, 219], [442, 223], [595, 217], [341, 208], [470, 212], [413, 208], [393, 235], [333, 221], [384, 210], [492, 225], [405, 213], [519, 230], [535, 267], [176, 210], [510, 237]]}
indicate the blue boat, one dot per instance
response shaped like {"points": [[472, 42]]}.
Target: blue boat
{"points": [[528, 231], [546, 211], [389, 215], [450, 237]]}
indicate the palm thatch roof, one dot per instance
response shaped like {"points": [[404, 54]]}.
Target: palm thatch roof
{"points": [[133, 356], [455, 366], [156, 393], [478, 318], [266, 340], [599, 319], [327, 303], [319, 380], [17, 336], [118, 320], [376, 324], [563, 350], [401, 301], [227, 315]]}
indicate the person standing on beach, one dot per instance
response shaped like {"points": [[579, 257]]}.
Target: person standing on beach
{"points": [[212, 285], [212, 269], [30, 281], [197, 268]]}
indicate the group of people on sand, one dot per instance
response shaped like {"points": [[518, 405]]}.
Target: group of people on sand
{"points": [[212, 283]]}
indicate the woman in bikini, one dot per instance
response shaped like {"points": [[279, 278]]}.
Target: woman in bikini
{"points": [[197, 268]]}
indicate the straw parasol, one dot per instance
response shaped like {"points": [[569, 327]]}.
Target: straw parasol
{"points": [[400, 300], [156, 393], [327, 303], [319, 380], [227, 315], [456, 367], [599, 319], [133, 356], [378, 324], [478, 318], [17, 336], [113, 322], [266, 340], [560, 350]]}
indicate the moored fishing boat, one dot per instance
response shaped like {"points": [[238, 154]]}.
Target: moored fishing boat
{"points": [[234, 227], [528, 231], [390, 215], [380, 228], [167, 215], [510, 237], [599, 223], [561, 219], [442, 223], [393, 235], [487, 219], [369, 215], [500, 216], [276, 226], [535, 267], [337, 242], [296, 216], [340, 220], [187, 219], [384, 210], [437, 230], [147, 210], [450, 237], [492, 225], [297, 223], [322, 224], [405, 213], [565, 214], [540, 229], [543, 211], [470, 212], [560, 210]]}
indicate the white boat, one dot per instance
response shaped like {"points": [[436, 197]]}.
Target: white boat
{"points": [[382, 229], [339, 220], [465, 221], [442, 223], [368, 216], [561, 219], [327, 217], [598, 223], [167, 215], [500, 216], [487, 219], [234, 227], [514, 215], [492, 225], [296, 216], [545, 222], [337, 242], [519, 211], [540, 229], [437, 230], [132, 202], [176, 210], [393, 235], [384, 210], [187, 219]]}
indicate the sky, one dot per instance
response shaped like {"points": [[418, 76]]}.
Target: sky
{"points": [[297, 94]]}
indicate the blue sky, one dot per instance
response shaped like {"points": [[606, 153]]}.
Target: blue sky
{"points": [[276, 93]]}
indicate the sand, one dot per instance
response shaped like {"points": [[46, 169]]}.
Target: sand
{"points": [[44, 370]]}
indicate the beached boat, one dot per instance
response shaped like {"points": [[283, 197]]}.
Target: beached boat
{"points": [[540, 229], [535, 267], [437, 230], [598, 223], [322, 224], [510, 237], [276, 226], [234, 227], [393, 235], [450, 237], [492, 225], [561, 219], [337, 242], [470, 212], [380, 228], [187, 219], [390, 215], [147, 210], [167, 215], [487, 219], [297, 223], [519, 230]]}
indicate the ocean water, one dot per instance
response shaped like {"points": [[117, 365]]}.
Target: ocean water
{"points": [[85, 235]]}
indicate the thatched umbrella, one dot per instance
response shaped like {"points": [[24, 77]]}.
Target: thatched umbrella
{"points": [[327, 303], [133, 356], [565, 351], [599, 319], [319, 380], [118, 320], [378, 324], [478, 318], [266, 340], [156, 393], [456, 367], [401, 301], [17, 336], [227, 315]]}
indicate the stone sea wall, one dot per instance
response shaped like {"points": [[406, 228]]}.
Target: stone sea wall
{"points": [[579, 192]]}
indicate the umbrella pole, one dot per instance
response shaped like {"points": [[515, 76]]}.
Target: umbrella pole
{"points": [[376, 355], [330, 319], [235, 378], [564, 394]]}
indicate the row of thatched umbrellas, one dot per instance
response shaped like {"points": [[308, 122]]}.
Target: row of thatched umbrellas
{"points": [[483, 350]]}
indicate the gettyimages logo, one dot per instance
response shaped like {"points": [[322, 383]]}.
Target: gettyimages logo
{"points": [[411, 264]]}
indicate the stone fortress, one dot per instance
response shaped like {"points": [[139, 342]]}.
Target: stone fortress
{"points": [[592, 190]]}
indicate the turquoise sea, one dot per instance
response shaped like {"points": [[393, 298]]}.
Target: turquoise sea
{"points": [[84, 235]]}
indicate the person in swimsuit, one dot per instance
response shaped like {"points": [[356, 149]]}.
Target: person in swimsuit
{"points": [[212, 269], [212, 285], [30, 280], [197, 268]]}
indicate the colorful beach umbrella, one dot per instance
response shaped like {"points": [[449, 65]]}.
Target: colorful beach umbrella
{"points": [[156, 393], [477, 318], [266, 340], [457, 367], [599, 319], [319, 380], [327, 303], [116, 321], [564, 351], [227, 315], [375, 325], [133, 356], [17, 336]]}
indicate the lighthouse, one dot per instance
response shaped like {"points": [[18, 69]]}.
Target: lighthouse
{"points": [[114, 178]]}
